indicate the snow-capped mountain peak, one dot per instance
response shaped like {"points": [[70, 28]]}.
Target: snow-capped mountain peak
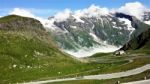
{"points": [[95, 27]]}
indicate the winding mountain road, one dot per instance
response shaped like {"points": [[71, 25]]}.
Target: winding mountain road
{"points": [[100, 76]]}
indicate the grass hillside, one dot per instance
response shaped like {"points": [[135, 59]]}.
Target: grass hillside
{"points": [[27, 52], [140, 42], [14, 22]]}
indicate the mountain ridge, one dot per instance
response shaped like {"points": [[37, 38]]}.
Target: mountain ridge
{"points": [[101, 30], [29, 53]]}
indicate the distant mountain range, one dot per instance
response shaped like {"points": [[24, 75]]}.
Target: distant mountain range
{"points": [[84, 33]]}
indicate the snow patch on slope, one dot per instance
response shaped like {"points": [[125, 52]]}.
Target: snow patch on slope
{"points": [[127, 22], [74, 27], [129, 26], [95, 37], [78, 19], [147, 22]]}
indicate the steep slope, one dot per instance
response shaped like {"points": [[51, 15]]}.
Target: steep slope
{"points": [[140, 42], [97, 33], [94, 31], [139, 26], [27, 51]]}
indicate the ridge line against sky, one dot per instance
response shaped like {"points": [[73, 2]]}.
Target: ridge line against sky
{"points": [[46, 8]]}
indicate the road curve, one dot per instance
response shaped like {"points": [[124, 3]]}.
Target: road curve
{"points": [[100, 76]]}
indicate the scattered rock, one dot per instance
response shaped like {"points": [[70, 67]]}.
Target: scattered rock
{"points": [[14, 66]]}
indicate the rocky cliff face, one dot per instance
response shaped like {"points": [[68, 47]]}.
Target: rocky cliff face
{"points": [[91, 31], [86, 32]]}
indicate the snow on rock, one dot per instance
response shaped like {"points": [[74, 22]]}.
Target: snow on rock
{"points": [[129, 26], [147, 22], [95, 37], [116, 27], [127, 22], [114, 23], [74, 27], [78, 19]]}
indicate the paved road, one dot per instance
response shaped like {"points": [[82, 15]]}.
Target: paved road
{"points": [[100, 76], [139, 82]]}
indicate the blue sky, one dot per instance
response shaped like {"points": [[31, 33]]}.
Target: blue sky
{"points": [[53, 6]]}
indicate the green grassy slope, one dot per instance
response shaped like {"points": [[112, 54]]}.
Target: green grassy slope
{"points": [[140, 42], [27, 52], [26, 58], [23, 58]]}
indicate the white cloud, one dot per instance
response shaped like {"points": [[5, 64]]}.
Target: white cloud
{"points": [[30, 11], [62, 16], [27, 13], [85, 52], [135, 9], [92, 11], [22, 12]]}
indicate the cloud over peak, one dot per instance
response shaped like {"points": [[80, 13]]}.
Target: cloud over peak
{"points": [[22, 12], [134, 8], [62, 16], [91, 11], [27, 13]]}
